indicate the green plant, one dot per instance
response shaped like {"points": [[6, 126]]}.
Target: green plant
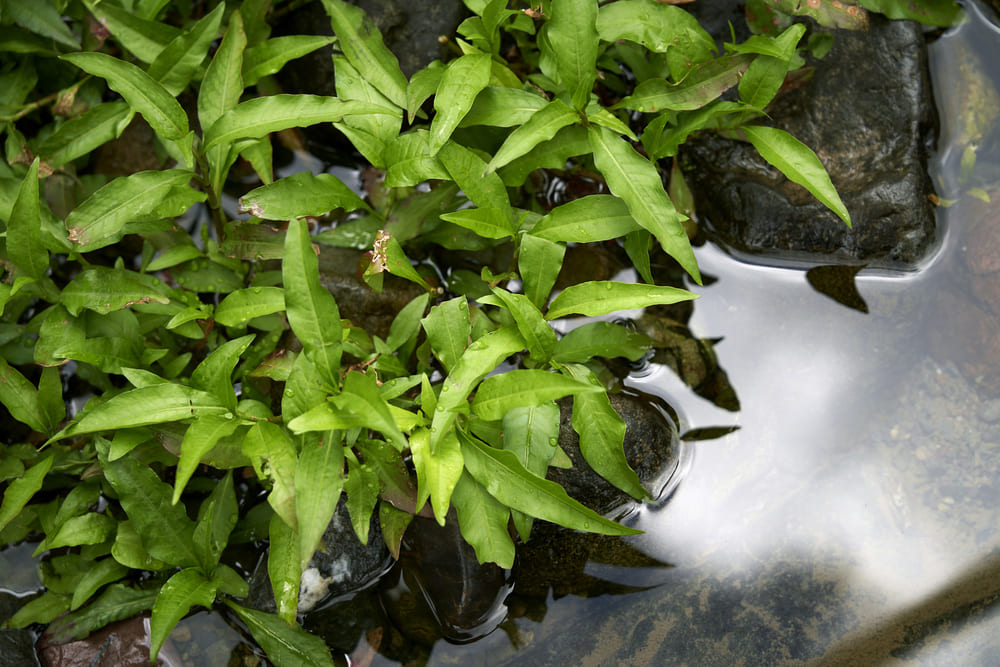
{"points": [[324, 406]]}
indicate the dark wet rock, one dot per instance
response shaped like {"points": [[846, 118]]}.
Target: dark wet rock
{"points": [[340, 567], [340, 271], [651, 448], [868, 115], [122, 644], [17, 647]]}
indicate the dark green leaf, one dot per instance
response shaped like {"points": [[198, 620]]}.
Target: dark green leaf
{"points": [[215, 373], [461, 82], [82, 134], [118, 602], [503, 107], [422, 85], [216, 520], [531, 434], [537, 333], [361, 398], [539, 262], [587, 220], [524, 388], [409, 161], [318, 481], [199, 439], [652, 24], [448, 329], [941, 13], [300, 195], [179, 60], [143, 37], [483, 522], [270, 56], [703, 84], [178, 594], [601, 297], [19, 492], [24, 245], [572, 37], [103, 571], [272, 453], [89, 528], [20, 397], [601, 339], [542, 126], [104, 290], [468, 169], [42, 18], [283, 568], [243, 305]]}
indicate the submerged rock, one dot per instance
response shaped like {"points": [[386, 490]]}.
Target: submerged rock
{"points": [[868, 115]]}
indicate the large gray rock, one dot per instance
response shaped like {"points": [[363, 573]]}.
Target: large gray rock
{"points": [[868, 115]]}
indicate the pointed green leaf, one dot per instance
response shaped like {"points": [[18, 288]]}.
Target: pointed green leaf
{"points": [[703, 84], [283, 568], [318, 480], [272, 453], [798, 163], [503, 107], [89, 528], [542, 126], [361, 398], [636, 180], [587, 220], [19, 492], [507, 480], [104, 290], [406, 324], [437, 473], [460, 84], [300, 195], [82, 134], [199, 439], [532, 434], [178, 594], [601, 339], [220, 91], [42, 18], [572, 37], [145, 38], [537, 333], [215, 373], [270, 56], [483, 522], [652, 24], [128, 550], [143, 93], [179, 60], [243, 305], [361, 43], [422, 85], [260, 116], [539, 262], [467, 169], [352, 85], [523, 388], [20, 397], [601, 297], [312, 311], [99, 220], [361, 486], [116, 603], [409, 161], [448, 329], [216, 520], [480, 358], [24, 247], [103, 571], [491, 223]]}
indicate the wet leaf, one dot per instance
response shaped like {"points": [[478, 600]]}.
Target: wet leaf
{"points": [[101, 572], [143, 37], [215, 373], [283, 568], [654, 25], [406, 324], [243, 305], [361, 398], [270, 56], [448, 329], [144, 94], [537, 333], [318, 481], [20, 397], [311, 310], [468, 170], [199, 439], [361, 43], [24, 246], [19, 492], [104, 290], [483, 522], [89, 528], [480, 358], [179, 60], [272, 453], [409, 162], [929, 12], [438, 473], [798, 163], [41, 18], [394, 522], [571, 34], [99, 220], [422, 85], [703, 84], [361, 486], [82, 134], [636, 180], [506, 479], [491, 223], [216, 519], [539, 262], [587, 220], [601, 339], [460, 83], [503, 107], [128, 550], [602, 297], [531, 434], [498, 394], [260, 116], [828, 13], [186, 589], [377, 128], [541, 126]]}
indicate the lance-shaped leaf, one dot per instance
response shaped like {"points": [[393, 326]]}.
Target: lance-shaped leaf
{"points": [[143, 93], [480, 358], [283, 568], [243, 305], [537, 333], [524, 388], [215, 373], [154, 404], [379, 129], [19, 491], [24, 247], [361, 486], [143, 37], [300, 195], [311, 309], [179, 60], [318, 481], [409, 161], [587, 220], [270, 56], [468, 170], [602, 435], [89, 528], [572, 36], [101, 217], [82, 134], [361, 43], [483, 522], [216, 519], [491, 223], [601, 339], [104, 290], [601, 297], [448, 329], [828, 13], [422, 85], [186, 589], [165, 529], [539, 261], [260, 116], [438, 473], [284, 644], [798, 163], [460, 84], [503, 107], [654, 25], [41, 18], [636, 180], [507, 480], [542, 126], [531, 433], [199, 439], [104, 571], [272, 453], [114, 604], [361, 398], [20, 397], [703, 84]]}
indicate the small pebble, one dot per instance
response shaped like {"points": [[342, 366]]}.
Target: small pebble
{"points": [[989, 411]]}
